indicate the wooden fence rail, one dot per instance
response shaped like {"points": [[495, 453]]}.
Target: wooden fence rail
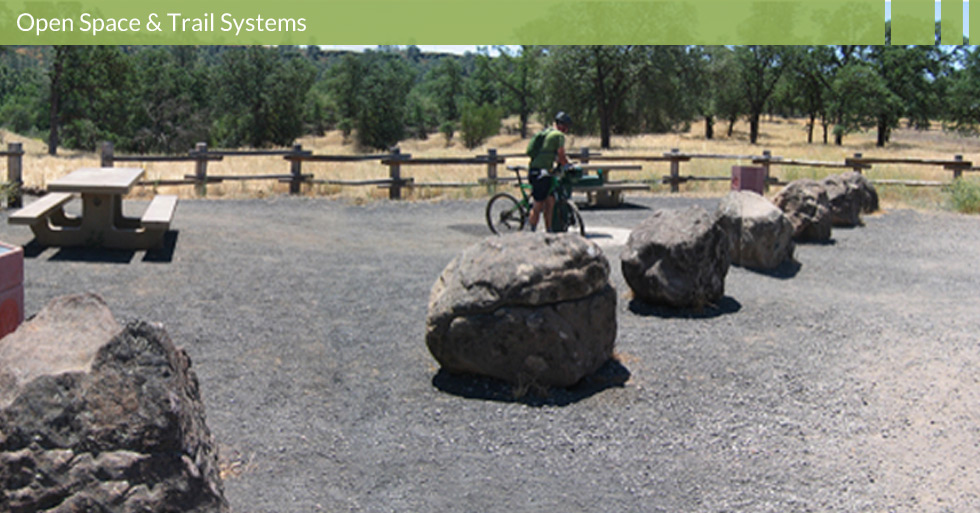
{"points": [[395, 160], [858, 163]]}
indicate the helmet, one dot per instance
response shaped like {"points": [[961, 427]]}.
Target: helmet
{"points": [[563, 118]]}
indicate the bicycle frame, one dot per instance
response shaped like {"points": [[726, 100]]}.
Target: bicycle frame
{"points": [[560, 186], [563, 216], [561, 190]]}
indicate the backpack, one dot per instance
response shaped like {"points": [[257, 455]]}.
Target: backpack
{"points": [[534, 146]]}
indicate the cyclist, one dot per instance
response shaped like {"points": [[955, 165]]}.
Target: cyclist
{"points": [[538, 170]]}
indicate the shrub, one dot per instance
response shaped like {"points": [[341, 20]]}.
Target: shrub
{"points": [[17, 118], [965, 196], [346, 127], [448, 129], [478, 123], [82, 134]]}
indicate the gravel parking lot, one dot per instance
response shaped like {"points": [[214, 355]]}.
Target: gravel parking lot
{"points": [[848, 382]]}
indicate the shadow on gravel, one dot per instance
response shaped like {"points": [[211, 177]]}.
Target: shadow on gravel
{"points": [[164, 254], [828, 242], [33, 250], [94, 255], [784, 271], [597, 235], [727, 305], [478, 230], [611, 374], [621, 206]]}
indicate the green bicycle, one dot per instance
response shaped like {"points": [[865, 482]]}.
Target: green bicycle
{"points": [[506, 214]]}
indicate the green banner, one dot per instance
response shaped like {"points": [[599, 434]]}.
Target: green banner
{"points": [[974, 18], [952, 27], [913, 22], [401, 22]]}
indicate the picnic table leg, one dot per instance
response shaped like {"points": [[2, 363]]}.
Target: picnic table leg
{"points": [[120, 221], [59, 229], [98, 217], [103, 224], [608, 198], [48, 235], [59, 218]]}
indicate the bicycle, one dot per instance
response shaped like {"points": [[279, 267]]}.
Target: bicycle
{"points": [[506, 214]]}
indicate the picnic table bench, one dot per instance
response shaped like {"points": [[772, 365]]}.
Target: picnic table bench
{"points": [[601, 191], [102, 222]]}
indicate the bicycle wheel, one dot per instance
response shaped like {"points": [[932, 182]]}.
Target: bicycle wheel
{"points": [[559, 217], [575, 218], [504, 214], [566, 216]]}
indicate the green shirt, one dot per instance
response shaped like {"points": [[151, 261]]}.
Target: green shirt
{"points": [[545, 159]]}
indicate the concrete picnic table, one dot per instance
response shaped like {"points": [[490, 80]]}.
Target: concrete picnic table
{"points": [[102, 222], [599, 190]]}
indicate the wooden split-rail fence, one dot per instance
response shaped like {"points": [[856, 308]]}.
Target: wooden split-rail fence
{"points": [[395, 182]]}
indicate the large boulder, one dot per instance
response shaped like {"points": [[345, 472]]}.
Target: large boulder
{"points": [[99, 417], [529, 309], [845, 201], [806, 205], [761, 235], [678, 258], [864, 189]]}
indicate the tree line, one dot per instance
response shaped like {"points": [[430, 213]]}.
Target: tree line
{"points": [[165, 99]]}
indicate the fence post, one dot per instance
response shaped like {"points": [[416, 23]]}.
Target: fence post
{"points": [[15, 174], [859, 168], [675, 171], [296, 170], [201, 169], [107, 154], [491, 170], [958, 171], [767, 156], [395, 173]]}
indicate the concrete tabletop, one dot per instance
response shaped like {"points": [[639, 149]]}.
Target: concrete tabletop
{"points": [[97, 180]]}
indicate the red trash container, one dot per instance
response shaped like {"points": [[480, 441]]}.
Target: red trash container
{"points": [[11, 288], [748, 178]]}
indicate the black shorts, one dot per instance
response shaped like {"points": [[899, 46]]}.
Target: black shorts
{"points": [[540, 185]]}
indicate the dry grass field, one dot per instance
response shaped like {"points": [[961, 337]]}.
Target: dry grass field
{"points": [[784, 138]]}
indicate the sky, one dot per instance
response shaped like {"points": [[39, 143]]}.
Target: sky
{"points": [[461, 49]]}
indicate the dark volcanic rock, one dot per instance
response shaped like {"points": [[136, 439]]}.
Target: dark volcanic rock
{"points": [[678, 258], [845, 199], [760, 234], [524, 308], [806, 205], [864, 189], [101, 418]]}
